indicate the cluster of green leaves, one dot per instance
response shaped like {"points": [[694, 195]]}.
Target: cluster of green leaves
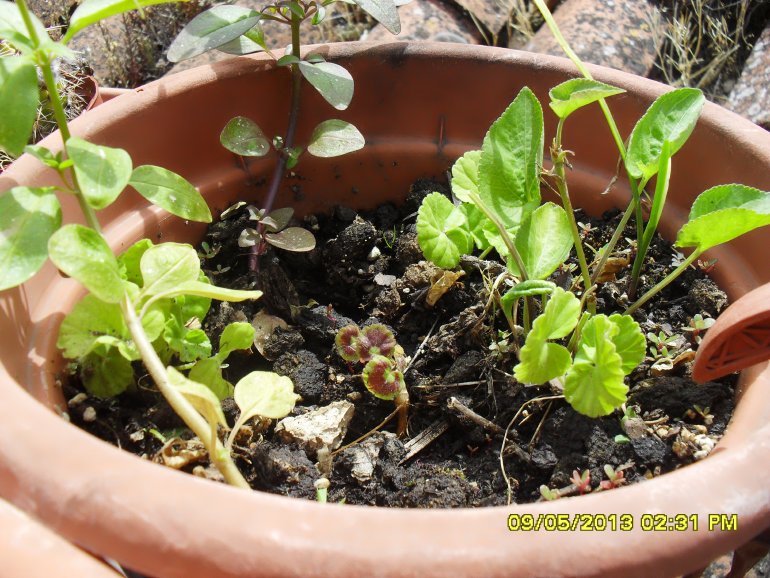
{"points": [[496, 205], [277, 232], [376, 347], [238, 30]]}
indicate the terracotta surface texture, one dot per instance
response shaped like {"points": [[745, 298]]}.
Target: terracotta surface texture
{"points": [[429, 20], [751, 95], [614, 33]]}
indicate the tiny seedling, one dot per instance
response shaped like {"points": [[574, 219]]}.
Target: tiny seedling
{"points": [[272, 229], [660, 343], [582, 482], [698, 325], [376, 347], [615, 478]]}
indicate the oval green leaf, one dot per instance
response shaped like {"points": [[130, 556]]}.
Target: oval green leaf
{"points": [[576, 93], [171, 192], [13, 29], [102, 172], [243, 136], [294, 239], [723, 213], [211, 29], [331, 81], [28, 218], [83, 254], [165, 267], [251, 41], [237, 335], [209, 373], [543, 241], [672, 117], [264, 394], [333, 138], [19, 98], [92, 11], [511, 160], [384, 12]]}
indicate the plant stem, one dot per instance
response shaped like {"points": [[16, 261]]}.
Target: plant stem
{"points": [[288, 142], [219, 456], [613, 241], [58, 110], [558, 155], [664, 283]]}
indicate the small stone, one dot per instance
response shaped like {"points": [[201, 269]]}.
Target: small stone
{"points": [[137, 436], [362, 458], [77, 400], [634, 427], [374, 254], [89, 414], [751, 95], [325, 426]]}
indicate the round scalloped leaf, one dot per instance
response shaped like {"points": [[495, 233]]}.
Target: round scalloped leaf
{"points": [[442, 231], [376, 339], [346, 342], [465, 176], [382, 379], [629, 341], [540, 361]]}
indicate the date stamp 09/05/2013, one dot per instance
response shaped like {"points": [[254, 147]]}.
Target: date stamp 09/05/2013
{"points": [[622, 522]]}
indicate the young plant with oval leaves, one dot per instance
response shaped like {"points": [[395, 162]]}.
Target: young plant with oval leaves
{"points": [[496, 205], [238, 30], [145, 304]]}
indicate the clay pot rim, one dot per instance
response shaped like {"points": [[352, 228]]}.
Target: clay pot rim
{"points": [[336, 534]]}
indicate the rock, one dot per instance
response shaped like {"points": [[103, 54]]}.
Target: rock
{"points": [[465, 368], [707, 298], [650, 450], [361, 459], [751, 95], [613, 33], [306, 372], [323, 427], [429, 20]]}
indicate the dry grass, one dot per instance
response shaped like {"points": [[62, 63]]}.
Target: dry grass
{"points": [[700, 42], [524, 21]]}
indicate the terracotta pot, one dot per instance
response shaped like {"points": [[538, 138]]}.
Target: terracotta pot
{"points": [[420, 106]]}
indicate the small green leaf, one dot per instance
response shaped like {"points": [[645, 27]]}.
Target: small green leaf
{"points": [[252, 41], [209, 373], [559, 317], [465, 176], [83, 254], [200, 289], [541, 361], [594, 385], [528, 288], [543, 241], [28, 218], [105, 373], [629, 342], [13, 29], [511, 159], [243, 136], [476, 221], [278, 219], [333, 138], [102, 172], [90, 319], [331, 80], [92, 11], [128, 262], [42, 154], [165, 267], [672, 117], [442, 231], [264, 394], [723, 213], [287, 59], [237, 335], [171, 192], [188, 344], [19, 98], [211, 29], [294, 239], [200, 397], [573, 94], [384, 12]]}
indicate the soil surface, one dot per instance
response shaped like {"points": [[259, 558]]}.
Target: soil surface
{"points": [[367, 268]]}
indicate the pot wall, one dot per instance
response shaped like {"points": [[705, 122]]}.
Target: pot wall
{"points": [[417, 117]]}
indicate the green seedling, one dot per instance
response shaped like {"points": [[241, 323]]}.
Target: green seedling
{"points": [[659, 345], [146, 304], [496, 204], [273, 229], [238, 30], [615, 478], [698, 324], [582, 482], [383, 374], [548, 494]]}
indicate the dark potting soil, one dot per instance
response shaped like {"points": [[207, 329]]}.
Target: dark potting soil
{"points": [[367, 268]]}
